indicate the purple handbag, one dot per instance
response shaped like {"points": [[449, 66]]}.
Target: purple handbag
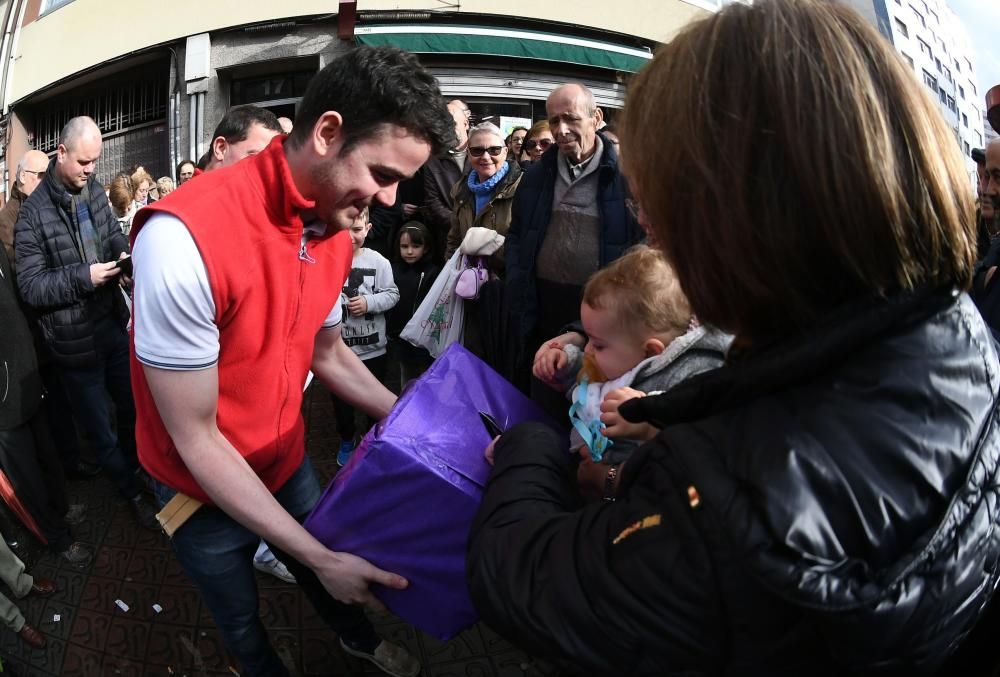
{"points": [[472, 278], [406, 500]]}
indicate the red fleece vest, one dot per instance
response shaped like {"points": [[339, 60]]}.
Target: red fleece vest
{"points": [[269, 305]]}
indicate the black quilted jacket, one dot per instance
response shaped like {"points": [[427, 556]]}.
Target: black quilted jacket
{"points": [[825, 506], [55, 280], [20, 382]]}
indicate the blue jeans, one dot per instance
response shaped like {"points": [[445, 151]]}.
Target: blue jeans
{"points": [[216, 552], [87, 389]]}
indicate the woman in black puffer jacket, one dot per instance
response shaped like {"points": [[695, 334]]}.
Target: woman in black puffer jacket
{"points": [[826, 502]]}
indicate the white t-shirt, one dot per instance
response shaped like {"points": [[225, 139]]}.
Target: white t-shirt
{"points": [[175, 325]]}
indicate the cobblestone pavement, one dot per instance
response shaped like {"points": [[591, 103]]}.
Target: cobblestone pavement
{"points": [[94, 637]]}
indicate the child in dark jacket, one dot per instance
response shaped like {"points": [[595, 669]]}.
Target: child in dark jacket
{"points": [[414, 270]]}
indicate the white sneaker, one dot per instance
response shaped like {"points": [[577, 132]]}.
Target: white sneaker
{"points": [[390, 658], [276, 569]]}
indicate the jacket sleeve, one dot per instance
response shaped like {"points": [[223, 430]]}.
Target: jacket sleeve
{"points": [[386, 294], [991, 259], [436, 202], [512, 254], [454, 239], [42, 287], [611, 589]]}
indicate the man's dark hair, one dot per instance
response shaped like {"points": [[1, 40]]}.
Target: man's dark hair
{"points": [[236, 123], [375, 86], [177, 175]]}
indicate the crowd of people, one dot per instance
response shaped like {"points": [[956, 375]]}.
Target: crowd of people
{"points": [[781, 402]]}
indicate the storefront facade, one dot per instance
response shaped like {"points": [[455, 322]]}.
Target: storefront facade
{"points": [[158, 86]]}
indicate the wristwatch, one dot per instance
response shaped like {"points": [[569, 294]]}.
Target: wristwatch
{"points": [[609, 483]]}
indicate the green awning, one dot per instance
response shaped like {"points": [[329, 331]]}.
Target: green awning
{"points": [[475, 40]]}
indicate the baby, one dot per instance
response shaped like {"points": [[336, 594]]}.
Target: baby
{"points": [[641, 339]]}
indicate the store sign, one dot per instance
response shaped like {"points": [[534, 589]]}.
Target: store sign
{"points": [[509, 123]]}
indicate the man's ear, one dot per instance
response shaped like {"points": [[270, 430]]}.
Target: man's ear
{"points": [[61, 153], [599, 115], [219, 147], [327, 133], [653, 346]]}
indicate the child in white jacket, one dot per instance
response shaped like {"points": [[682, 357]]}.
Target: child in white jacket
{"points": [[368, 294]]}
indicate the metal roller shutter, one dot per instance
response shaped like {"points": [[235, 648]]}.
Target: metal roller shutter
{"points": [[503, 84]]}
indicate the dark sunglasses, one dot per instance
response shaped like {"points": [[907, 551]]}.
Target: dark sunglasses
{"points": [[477, 151], [543, 143]]}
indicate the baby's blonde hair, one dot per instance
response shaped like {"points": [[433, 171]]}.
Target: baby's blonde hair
{"points": [[643, 292]]}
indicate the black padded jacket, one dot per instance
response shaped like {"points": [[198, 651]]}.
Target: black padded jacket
{"points": [[54, 279], [826, 505]]}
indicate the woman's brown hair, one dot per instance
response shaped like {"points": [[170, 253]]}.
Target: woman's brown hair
{"points": [[536, 130], [790, 162], [120, 195], [138, 177]]}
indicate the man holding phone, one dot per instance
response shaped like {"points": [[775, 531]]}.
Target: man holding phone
{"points": [[67, 244]]}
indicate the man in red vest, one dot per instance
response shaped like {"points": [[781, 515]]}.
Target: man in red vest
{"points": [[237, 283]]}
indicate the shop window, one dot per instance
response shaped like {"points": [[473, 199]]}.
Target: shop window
{"points": [[116, 104], [268, 90], [51, 5]]}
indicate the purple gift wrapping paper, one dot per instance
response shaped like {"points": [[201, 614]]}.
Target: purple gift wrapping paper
{"points": [[406, 500]]}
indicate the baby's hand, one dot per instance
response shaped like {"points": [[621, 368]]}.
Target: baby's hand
{"points": [[617, 426], [357, 305], [549, 360]]}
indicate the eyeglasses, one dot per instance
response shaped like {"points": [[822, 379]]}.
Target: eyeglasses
{"points": [[541, 143], [38, 174], [634, 208], [477, 151]]}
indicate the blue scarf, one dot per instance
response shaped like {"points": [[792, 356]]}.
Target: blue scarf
{"points": [[484, 191], [78, 211]]}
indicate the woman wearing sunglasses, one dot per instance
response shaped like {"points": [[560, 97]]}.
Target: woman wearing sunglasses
{"points": [[484, 196], [537, 141]]}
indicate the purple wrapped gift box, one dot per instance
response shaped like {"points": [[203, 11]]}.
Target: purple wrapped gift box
{"points": [[406, 500]]}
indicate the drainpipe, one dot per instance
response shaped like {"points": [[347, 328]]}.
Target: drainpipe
{"points": [[193, 126], [346, 19]]}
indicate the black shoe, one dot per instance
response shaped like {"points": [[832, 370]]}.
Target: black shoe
{"points": [[76, 514], [83, 470], [144, 513], [77, 553]]}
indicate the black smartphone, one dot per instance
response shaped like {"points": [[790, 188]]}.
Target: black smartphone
{"points": [[491, 425], [125, 265]]}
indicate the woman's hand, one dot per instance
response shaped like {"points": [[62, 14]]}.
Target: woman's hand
{"points": [[616, 426], [590, 477], [488, 453]]}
